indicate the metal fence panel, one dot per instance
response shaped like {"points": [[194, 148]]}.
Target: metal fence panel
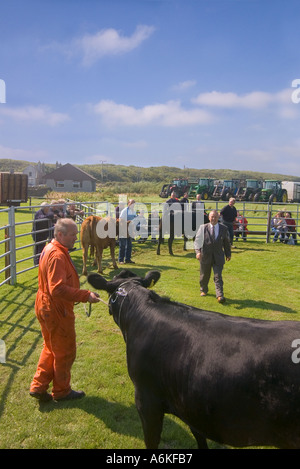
{"points": [[16, 233]]}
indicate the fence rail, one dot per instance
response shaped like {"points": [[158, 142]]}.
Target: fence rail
{"points": [[17, 235]]}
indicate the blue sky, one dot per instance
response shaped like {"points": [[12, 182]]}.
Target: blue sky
{"points": [[186, 83]]}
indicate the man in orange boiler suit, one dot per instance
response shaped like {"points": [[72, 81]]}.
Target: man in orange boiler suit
{"points": [[58, 291]]}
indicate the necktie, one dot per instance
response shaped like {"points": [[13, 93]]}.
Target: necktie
{"points": [[213, 233]]}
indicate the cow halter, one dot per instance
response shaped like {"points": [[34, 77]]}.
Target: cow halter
{"points": [[120, 292]]}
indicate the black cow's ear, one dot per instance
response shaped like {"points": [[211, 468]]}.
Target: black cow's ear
{"points": [[125, 273], [151, 278], [97, 281]]}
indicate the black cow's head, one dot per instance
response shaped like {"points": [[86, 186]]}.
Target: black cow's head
{"points": [[99, 282]]}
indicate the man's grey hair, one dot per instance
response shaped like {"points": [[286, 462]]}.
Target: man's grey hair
{"points": [[63, 225]]}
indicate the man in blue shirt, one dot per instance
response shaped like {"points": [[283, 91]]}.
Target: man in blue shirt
{"points": [[125, 242]]}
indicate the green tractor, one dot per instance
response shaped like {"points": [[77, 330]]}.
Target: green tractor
{"points": [[272, 192], [248, 189], [226, 189], [165, 191], [204, 187], [179, 186]]}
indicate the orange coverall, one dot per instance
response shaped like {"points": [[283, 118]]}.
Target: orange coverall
{"points": [[58, 290]]}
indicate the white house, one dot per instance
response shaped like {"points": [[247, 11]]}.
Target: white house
{"points": [[34, 173]]}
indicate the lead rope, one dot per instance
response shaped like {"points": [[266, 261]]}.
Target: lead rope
{"points": [[89, 312]]}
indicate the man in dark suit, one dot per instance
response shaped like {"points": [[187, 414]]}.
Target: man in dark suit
{"points": [[212, 246]]}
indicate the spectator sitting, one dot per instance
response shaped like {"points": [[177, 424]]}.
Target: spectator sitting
{"points": [[290, 229], [278, 227], [240, 227]]}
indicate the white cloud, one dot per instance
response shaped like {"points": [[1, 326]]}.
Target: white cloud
{"points": [[41, 114], [254, 100], [184, 85], [106, 42], [170, 114], [282, 158], [280, 103], [282, 100]]}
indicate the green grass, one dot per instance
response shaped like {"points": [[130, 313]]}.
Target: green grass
{"points": [[261, 281]]}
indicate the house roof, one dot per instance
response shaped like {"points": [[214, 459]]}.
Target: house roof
{"points": [[70, 172]]}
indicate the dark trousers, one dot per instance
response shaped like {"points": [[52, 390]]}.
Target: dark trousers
{"points": [[37, 252], [230, 230], [125, 249], [205, 273]]}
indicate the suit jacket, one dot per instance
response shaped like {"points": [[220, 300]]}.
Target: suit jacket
{"points": [[212, 251]]}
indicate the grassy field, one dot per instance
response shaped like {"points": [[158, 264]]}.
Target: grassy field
{"points": [[261, 281]]}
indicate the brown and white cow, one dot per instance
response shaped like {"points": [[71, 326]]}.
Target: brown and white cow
{"points": [[98, 239]]}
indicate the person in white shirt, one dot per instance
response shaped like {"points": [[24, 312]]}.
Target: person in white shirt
{"points": [[125, 242]]}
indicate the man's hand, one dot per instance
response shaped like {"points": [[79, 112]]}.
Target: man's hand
{"points": [[198, 256], [94, 297]]}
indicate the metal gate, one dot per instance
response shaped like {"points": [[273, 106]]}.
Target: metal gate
{"points": [[16, 232]]}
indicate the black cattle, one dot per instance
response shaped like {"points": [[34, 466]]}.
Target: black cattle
{"points": [[232, 380], [176, 222]]}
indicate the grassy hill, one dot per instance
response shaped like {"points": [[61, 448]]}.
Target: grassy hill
{"points": [[111, 173]]}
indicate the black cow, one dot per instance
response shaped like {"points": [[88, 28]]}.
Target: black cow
{"points": [[178, 222], [232, 380]]}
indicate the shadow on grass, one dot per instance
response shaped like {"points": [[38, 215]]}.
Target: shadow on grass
{"points": [[20, 332], [265, 305], [124, 420]]}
